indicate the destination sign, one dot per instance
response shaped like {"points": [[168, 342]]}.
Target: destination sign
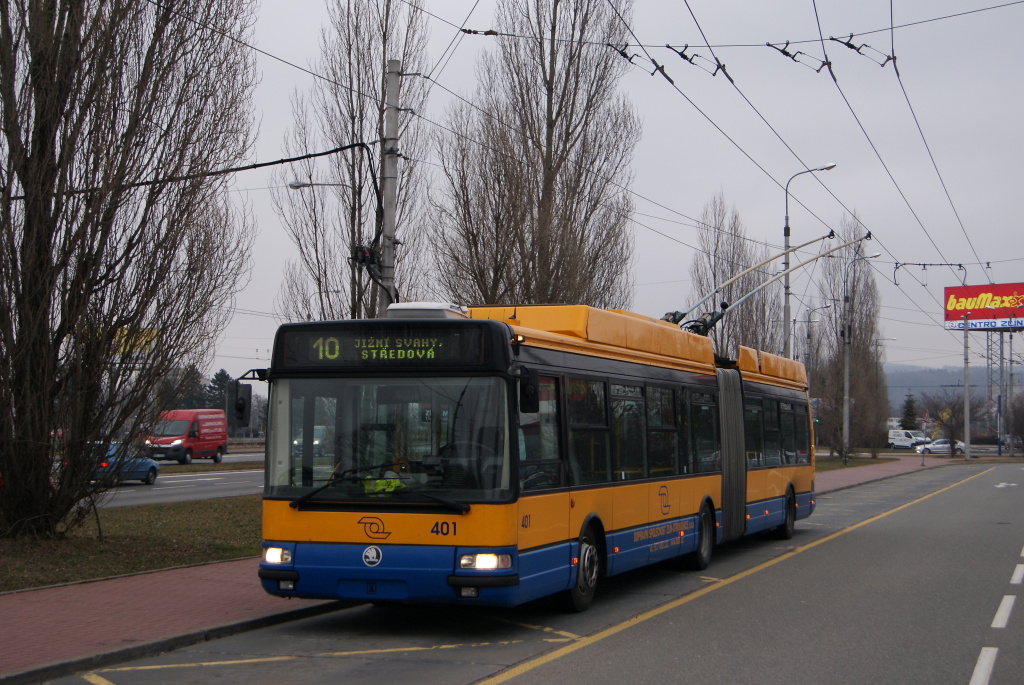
{"points": [[361, 344]]}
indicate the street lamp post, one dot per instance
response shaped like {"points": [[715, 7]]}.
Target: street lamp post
{"points": [[808, 342], [787, 332], [847, 334]]}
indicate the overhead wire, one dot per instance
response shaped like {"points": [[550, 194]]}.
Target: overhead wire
{"points": [[657, 68], [924, 139]]}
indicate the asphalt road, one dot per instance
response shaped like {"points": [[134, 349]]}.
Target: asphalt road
{"points": [[900, 581], [183, 487]]}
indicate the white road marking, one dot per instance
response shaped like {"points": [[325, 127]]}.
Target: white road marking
{"points": [[983, 669], [1003, 613], [1018, 575]]}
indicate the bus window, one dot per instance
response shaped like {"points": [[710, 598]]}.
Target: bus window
{"points": [[802, 425], [753, 433], [588, 430], [628, 448], [540, 463], [788, 432], [662, 433], [704, 418], [772, 438]]}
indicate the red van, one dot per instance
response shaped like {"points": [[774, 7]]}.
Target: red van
{"points": [[184, 434]]}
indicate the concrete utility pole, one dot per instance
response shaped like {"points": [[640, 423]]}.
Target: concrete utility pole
{"points": [[389, 187], [967, 397]]}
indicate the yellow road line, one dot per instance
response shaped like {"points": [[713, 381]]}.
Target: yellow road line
{"points": [[396, 650], [641, 618], [546, 629], [194, 664]]}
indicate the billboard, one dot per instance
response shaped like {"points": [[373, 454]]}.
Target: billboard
{"points": [[990, 307]]}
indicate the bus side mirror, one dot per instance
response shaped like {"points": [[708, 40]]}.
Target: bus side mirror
{"points": [[529, 391], [243, 404]]}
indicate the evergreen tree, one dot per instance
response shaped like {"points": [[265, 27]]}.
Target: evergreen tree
{"points": [[909, 420]]}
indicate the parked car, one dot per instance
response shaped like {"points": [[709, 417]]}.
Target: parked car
{"points": [[940, 447], [130, 464]]}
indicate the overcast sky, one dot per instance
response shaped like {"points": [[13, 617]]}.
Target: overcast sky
{"points": [[929, 158]]}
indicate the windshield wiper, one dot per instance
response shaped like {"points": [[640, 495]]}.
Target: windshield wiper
{"points": [[346, 475], [460, 506]]}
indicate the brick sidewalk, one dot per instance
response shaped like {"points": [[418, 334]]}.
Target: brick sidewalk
{"points": [[54, 632]]}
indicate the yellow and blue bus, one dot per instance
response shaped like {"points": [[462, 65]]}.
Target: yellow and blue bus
{"points": [[496, 455]]}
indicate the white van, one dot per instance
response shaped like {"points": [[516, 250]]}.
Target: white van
{"points": [[906, 439]]}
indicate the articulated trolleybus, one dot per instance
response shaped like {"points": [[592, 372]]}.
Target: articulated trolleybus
{"points": [[495, 455]]}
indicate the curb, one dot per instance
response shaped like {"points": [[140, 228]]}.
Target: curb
{"points": [[96, 661]]}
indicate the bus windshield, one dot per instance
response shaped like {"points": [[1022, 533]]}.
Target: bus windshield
{"points": [[378, 441]]}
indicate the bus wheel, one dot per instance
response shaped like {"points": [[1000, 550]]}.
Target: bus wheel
{"points": [[588, 570], [700, 559], [187, 459], [218, 456], [785, 531]]}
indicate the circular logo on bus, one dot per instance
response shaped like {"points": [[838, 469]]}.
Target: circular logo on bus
{"points": [[372, 555]]}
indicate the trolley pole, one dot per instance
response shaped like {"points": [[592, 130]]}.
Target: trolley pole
{"points": [[389, 187]]}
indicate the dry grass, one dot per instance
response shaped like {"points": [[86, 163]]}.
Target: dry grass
{"points": [[142, 538]]}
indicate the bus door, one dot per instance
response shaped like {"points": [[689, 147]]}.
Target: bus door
{"points": [[734, 467]]}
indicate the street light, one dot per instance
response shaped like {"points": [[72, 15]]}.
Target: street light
{"points": [[298, 185], [847, 314], [787, 333], [318, 293], [808, 321], [879, 341]]}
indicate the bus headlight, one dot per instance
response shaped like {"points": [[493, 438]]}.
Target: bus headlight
{"points": [[486, 561], [277, 555]]}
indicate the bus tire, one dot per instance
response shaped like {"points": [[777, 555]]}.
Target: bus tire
{"points": [[588, 570], [785, 531], [699, 559]]}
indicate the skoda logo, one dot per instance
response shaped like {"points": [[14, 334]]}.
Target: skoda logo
{"points": [[371, 555]]}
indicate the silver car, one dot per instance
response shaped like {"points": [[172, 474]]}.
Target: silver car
{"points": [[940, 447]]}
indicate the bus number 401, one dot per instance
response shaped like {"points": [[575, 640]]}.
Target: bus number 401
{"points": [[443, 528]]}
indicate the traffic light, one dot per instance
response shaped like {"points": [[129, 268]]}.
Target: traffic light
{"points": [[243, 404]]}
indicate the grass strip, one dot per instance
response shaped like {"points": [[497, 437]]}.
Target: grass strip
{"points": [[135, 539]]}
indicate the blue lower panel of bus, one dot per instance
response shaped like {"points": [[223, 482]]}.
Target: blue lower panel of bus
{"points": [[401, 573], [804, 505], [638, 547], [772, 513]]}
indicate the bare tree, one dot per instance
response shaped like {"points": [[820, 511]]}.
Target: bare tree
{"points": [[340, 211], [725, 251], [111, 276], [532, 205], [848, 282], [947, 406]]}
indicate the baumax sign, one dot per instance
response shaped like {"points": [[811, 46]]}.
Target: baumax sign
{"points": [[987, 307]]}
